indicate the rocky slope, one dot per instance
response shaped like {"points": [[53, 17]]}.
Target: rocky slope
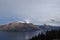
{"points": [[16, 26]]}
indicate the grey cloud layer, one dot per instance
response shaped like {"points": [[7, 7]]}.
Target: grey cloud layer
{"points": [[35, 10]]}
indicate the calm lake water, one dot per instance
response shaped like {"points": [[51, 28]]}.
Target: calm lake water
{"points": [[18, 35]]}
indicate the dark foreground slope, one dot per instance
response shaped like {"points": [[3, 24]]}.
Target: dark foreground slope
{"points": [[16, 26], [50, 35]]}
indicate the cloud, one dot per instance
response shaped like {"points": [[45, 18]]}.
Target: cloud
{"points": [[54, 21], [34, 10]]}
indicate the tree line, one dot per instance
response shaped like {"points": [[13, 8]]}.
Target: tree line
{"points": [[50, 35]]}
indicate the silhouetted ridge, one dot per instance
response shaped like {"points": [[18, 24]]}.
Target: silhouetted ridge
{"points": [[50, 35]]}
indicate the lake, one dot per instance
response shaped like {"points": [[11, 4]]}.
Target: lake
{"points": [[4, 35]]}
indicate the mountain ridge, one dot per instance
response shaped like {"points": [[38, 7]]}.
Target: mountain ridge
{"points": [[17, 26]]}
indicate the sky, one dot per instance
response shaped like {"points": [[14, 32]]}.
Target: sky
{"points": [[38, 11]]}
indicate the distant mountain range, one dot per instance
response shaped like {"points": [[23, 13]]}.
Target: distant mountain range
{"points": [[49, 27], [17, 26]]}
